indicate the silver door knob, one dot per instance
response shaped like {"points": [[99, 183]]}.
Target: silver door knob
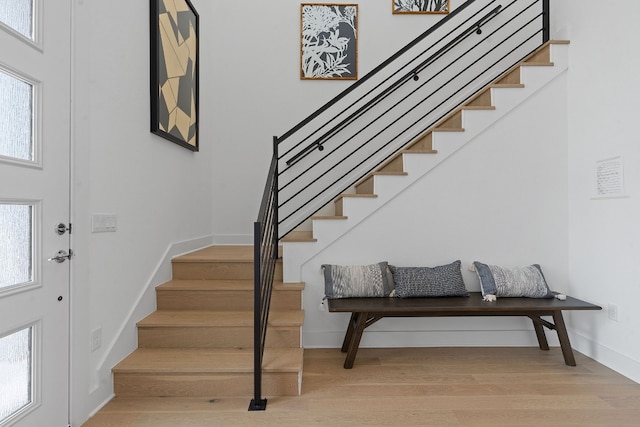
{"points": [[61, 256]]}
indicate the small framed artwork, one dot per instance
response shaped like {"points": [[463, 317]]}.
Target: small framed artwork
{"points": [[420, 6], [174, 72], [329, 41]]}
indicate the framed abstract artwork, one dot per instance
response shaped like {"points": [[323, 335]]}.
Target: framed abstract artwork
{"points": [[329, 41], [174, 72], [420, 6]]}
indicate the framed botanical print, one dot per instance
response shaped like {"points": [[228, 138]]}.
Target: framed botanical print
{"points": [[420, 6], [174, 72], [329, 41]]}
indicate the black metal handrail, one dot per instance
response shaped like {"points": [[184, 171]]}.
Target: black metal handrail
{"points": [[344, 140]]}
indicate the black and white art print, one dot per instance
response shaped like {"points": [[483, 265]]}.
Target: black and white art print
{"points": [[420, 6], [329, 42]]}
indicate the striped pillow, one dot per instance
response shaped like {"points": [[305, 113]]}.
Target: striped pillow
{"points": [[512, 282], [352, 281]]}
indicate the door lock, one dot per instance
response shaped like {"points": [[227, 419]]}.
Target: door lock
{"points": [[61, 256], [62, 228]]}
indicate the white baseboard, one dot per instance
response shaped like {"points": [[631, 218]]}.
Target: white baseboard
{"points": [[233, 239], [619, 362]]}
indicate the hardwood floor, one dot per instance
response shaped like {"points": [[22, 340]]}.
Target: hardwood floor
{"points": [[415, 387]]}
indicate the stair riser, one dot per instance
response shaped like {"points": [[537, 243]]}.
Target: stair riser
{"points": [[224, 300], [215, 337], [209, 385], [213, 270]]}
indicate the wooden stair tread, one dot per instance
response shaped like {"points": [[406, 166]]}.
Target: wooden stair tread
{"points": [[478, 107], [448, 129], [299, 236], [538, 64], [389, 173], [507, 85], [329, 217], [210, 360], [416, 151], [344, 196], [202, 318], [221, 285]]}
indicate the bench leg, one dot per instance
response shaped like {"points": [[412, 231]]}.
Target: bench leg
{"points": [[563, 336], [349, 334], [359, 324], [539, 328]]}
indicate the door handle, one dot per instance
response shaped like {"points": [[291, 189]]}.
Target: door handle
{"points": [[61, 256]]}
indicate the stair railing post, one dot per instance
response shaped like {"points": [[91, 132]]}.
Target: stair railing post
{"points": [[276, 203], [257, 403], [546, 31]]}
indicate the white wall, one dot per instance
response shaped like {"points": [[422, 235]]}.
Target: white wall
{"points": [[255, 56], [160, 192], [604, 235], [501, 199]]}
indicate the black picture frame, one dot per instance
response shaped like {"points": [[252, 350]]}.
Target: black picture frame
{"points": [[174, 72]]}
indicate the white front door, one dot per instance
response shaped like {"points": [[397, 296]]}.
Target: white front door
{"points": [[34, 198]]}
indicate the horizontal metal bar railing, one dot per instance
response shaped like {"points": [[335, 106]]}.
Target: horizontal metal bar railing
{"points": [[366, 124]]}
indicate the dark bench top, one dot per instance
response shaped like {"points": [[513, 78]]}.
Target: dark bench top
{"points": [[367, 311], [472, 305]]}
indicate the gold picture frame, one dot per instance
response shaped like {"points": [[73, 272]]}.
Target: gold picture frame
{"points": [[421, 6], [175, 72]]}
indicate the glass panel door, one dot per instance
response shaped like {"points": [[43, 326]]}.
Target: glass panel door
{"points": [[35, 93], [16, 368], [16, 121], [16, 246], [18, 15]]}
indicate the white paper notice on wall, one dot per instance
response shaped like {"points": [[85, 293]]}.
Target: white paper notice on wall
{"points": [[609, 178]]}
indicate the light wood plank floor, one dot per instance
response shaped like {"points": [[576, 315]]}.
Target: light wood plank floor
{"points": [[415, 387]]}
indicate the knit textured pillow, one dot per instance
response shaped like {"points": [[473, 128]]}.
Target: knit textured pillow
{"points": [[512, 282], [440, 281], [352, 281]]}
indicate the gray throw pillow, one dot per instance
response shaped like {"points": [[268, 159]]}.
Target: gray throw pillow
{"points": [[512, 282], [440, 281], [352, 281]]}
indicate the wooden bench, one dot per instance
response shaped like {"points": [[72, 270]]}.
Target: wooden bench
{"points": [[367, 311]]}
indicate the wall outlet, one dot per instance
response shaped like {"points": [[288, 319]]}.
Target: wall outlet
{"points": [[612, 309], [96, 339]]}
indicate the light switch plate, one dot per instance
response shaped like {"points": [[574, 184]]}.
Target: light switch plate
{"points": [[103, 223]]}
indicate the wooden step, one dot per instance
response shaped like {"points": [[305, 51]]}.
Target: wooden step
{"points": [[232, 295], [481, 100], [329, 217], [365, 186], [451, 123], [218, 262], [422, 144], [216, 329], [299, 236], [542, 55], [338, 202], [209, 373]]}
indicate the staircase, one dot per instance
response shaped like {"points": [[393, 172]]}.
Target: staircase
{"points": [[422, 155], [199, 342]]}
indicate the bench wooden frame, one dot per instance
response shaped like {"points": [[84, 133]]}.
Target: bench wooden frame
{"points": [[367, 311]]}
